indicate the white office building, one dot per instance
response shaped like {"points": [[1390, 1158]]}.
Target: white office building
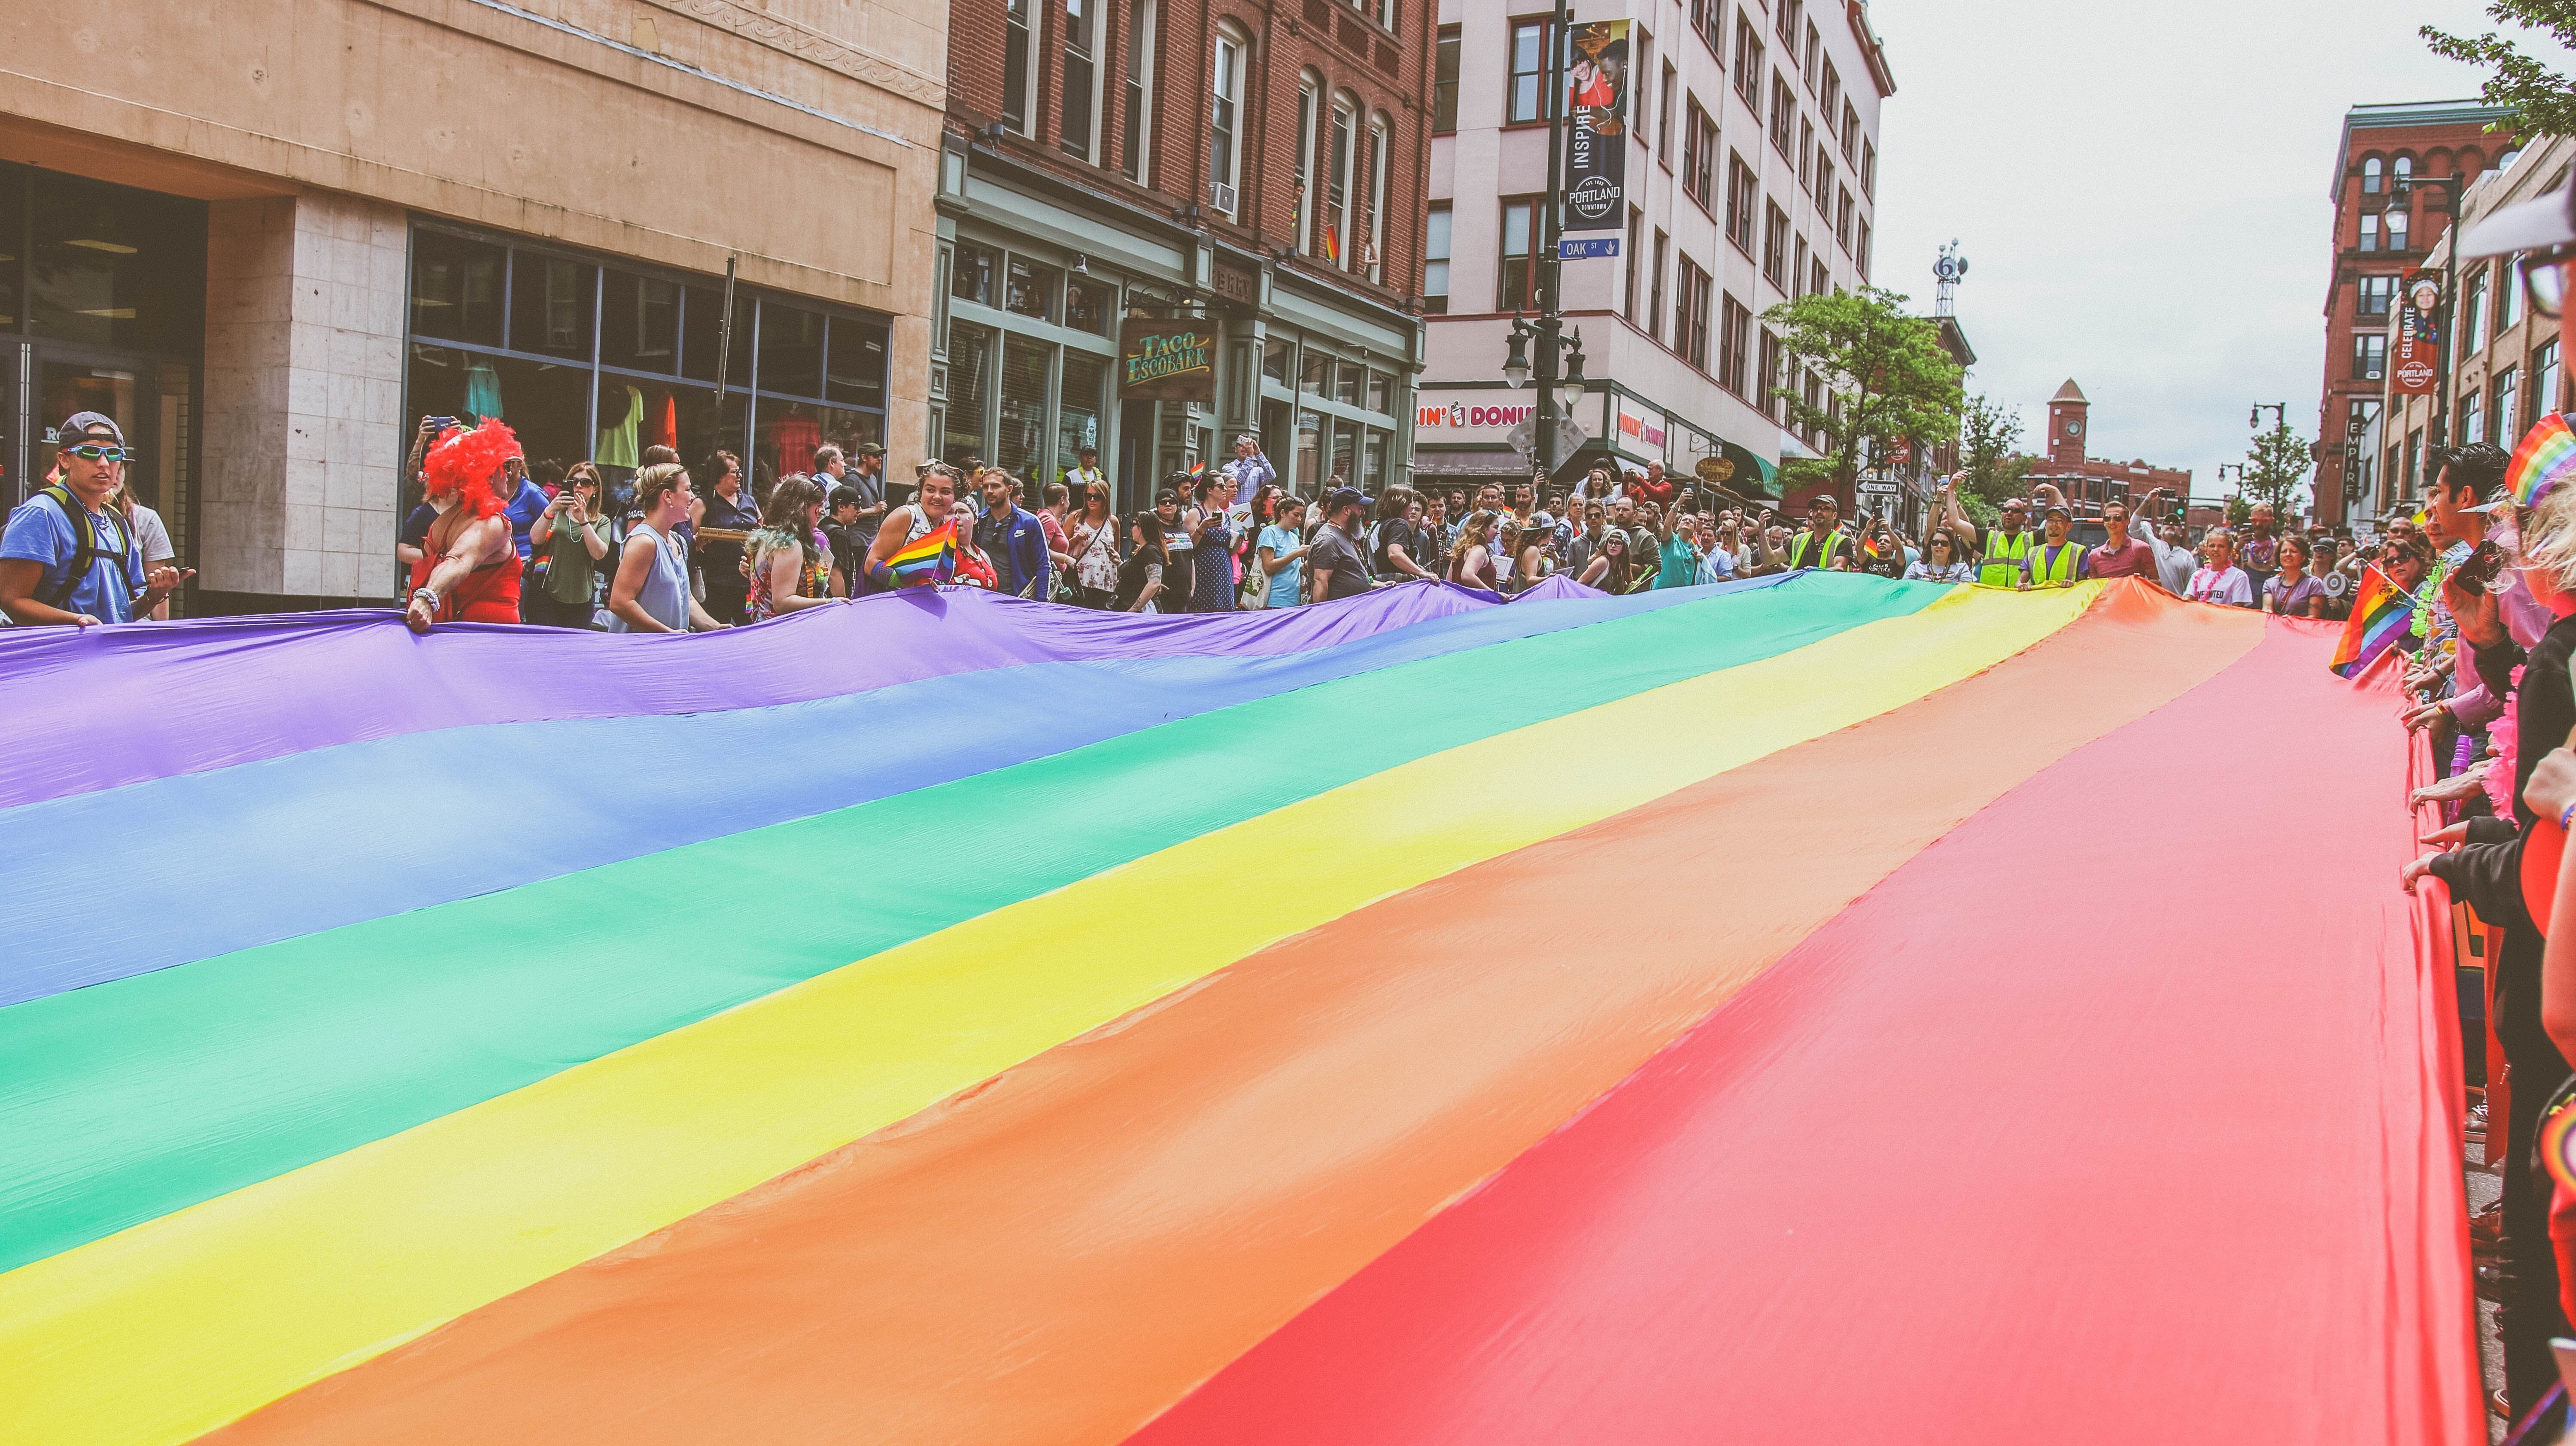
{"points": [[1752, 173]]}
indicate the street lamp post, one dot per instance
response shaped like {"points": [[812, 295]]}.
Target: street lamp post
{"points": [[2400, 211], [1538, 349]]}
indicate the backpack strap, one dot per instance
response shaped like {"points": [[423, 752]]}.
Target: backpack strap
{"points": [[87, 553]]}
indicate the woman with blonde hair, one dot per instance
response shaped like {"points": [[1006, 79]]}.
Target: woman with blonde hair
{"points": [[1471, 559], [1093, 532]]}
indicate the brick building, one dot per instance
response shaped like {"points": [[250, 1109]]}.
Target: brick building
{"points": [[2382, 144], [1254, 169], [2502, 370], [2089, 482]]}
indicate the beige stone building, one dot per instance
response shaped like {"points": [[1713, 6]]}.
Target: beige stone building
{"points": [[269, 235]]}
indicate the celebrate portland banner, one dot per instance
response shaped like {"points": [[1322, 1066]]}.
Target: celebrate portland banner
{"points": [[1596, 174]]}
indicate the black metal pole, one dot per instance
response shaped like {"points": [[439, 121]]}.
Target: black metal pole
{"points": [[2440, 431], [1551, 320]]}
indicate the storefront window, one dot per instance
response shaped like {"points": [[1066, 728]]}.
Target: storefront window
{"points": [[639, 323], [550, 305], [787, 432], [970, 358], [1088, 304], [1310, 452], [1276, 357], [113, 267], [456, 288], [567, 405], [791, 351], [13, 224], [1030, 289], [1347, 384], [1024, 399], [1346, 447], [1381, 394], [702, 335], [970, 277], [1318, 375], [1078, 413], [1373, 463], [858, 364]]}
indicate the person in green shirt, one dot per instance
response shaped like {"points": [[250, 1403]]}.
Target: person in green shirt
{"points": [[1677, 532], [573, 534]]}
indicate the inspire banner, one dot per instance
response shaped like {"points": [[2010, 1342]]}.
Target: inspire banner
{"points": [[1596, 171]]}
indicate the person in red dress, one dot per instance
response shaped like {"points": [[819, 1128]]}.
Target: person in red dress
{"points": [[469, 569]]}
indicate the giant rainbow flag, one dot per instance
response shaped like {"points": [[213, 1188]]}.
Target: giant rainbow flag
{"points": [[1762, 1013]]}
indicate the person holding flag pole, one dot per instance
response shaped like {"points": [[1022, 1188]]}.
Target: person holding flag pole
{"points": [[917, 546]]}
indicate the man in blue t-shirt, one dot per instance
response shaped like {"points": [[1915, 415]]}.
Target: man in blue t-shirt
{"points": [[56, 567]]}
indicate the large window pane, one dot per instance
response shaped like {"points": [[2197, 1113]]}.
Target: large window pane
{"points": [[1317, 376], [1346, 385], [791, 350], [1346, 449], [455, 288], [970, 277], [1078, 413], [1024, 397], [1089, 303], [115, 268], [970, 362], [1029, 289], [1277, 354], [1381, 394], [550, 305], [858, 361], [1373, 463], [636, 413], [785, 434], [1310, 453], [639, 322], [703, 337], [545, 404]]}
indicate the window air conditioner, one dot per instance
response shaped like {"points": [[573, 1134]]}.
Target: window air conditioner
{"points": [[1221, 196]]}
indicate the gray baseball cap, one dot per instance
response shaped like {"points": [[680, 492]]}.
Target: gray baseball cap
{"points": [[77, 427], [2542, 221]]}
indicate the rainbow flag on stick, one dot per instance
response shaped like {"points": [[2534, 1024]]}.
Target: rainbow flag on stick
{"points": [[932, 559], [2381, 613]]}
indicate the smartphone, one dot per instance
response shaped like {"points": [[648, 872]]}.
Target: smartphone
{"points": [[2480, 569]]}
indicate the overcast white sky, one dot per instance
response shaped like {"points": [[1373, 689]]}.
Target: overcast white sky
{"points": [[2141, 191]]}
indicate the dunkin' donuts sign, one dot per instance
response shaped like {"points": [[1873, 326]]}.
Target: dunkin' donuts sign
{"points": [[1473, 414]]}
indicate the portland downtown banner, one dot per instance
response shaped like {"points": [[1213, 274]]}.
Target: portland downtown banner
{"points": [[1596, 173]]}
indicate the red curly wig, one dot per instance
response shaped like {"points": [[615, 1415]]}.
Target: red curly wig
{"points": [[468, 464]]}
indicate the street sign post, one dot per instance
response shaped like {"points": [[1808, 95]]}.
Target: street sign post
{"points": [[1570, 438]]}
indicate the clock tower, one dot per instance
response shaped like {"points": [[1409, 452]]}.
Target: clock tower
{"points": [[2067, 424]]}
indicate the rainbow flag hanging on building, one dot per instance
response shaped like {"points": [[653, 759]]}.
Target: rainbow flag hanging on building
{"points": [[932, 559], [2381, 613]]}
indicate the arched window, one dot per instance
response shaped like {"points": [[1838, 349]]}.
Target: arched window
{"points": [[2403, 168], [2372, 167]]}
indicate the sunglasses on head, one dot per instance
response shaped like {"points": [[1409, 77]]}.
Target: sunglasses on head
{"points": [[98, 452]]}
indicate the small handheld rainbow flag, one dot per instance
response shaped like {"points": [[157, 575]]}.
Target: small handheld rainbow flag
{"points": [[2546, 458], [932, 559], [2381, 614]]}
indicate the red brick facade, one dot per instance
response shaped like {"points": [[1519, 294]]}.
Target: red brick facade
{"points": [[2089, 482], [1388, 71], [2433, 139]]}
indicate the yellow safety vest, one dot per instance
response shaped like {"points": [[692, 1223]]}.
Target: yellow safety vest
{"points": [[2004, 552], [2058, 571], [1798, 547]]}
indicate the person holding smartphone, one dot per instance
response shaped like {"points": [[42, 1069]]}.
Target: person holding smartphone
{"points": [[573, 535]]}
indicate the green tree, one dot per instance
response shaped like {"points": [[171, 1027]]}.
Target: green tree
{"points": [[2544, 101], [2275, 468], [1990, 453], [1887, 381], [2239, 511]]}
